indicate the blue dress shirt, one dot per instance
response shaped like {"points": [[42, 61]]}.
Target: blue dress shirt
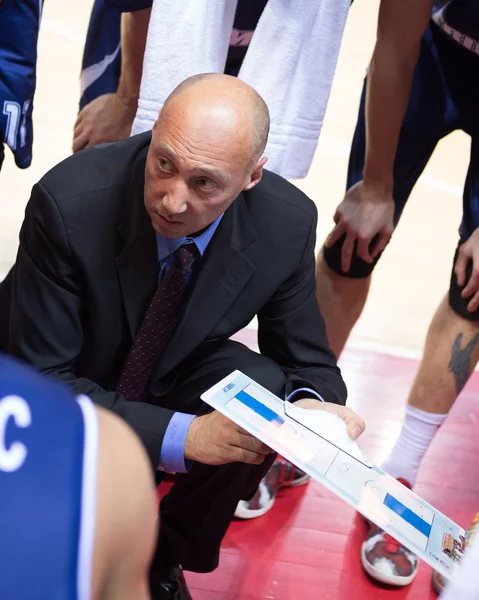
{"points": [[172, 454]]}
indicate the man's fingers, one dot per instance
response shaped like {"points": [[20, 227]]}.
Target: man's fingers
{"points": [[252, 444], [335, 235], [79, 127], [246, 456], [347, 252], [380, 244], [363, 249], [80, 116], [473, 303], [355, 425], [460, 268], [80, 141], [472, 285]]}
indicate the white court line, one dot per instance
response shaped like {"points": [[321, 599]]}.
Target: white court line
{"points": [[330, 144], [369, 345], [63, 32]]}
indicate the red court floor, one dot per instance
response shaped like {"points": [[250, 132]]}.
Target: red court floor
{"points": [[307, 547]]}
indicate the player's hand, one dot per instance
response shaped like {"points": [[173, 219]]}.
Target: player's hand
{"points": [[363, 214], [355, 425], [469, 252], [106, 119], [215, 440]]}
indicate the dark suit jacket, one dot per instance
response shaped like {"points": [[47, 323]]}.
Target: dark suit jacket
{"points": [[86, 271]]}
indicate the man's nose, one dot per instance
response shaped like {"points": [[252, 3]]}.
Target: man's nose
{"points": [[176, 199]]}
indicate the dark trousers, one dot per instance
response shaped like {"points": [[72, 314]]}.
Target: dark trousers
{"points": [[197, 512]]}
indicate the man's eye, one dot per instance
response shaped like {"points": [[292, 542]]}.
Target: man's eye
{"points": [[164, 164], [205, 184]]}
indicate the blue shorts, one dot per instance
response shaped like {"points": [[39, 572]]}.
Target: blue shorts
{"points": [[444, 97]]}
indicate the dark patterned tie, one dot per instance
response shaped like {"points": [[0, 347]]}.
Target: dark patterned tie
{"points": [[161, 320]]}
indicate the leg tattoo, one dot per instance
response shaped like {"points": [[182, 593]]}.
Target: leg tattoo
{"points": [[460, 364]]}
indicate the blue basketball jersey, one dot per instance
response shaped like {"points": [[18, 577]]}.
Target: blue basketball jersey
{"points": [[48, 457], [102, 55], [19, 25], [459, 19]]}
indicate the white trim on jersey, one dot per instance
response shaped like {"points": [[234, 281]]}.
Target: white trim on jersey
{"points": [[461, 38], [90, 74], [86, 544]]}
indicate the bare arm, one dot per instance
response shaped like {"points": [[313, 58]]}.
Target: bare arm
{"points": [[134, 29], [401, 25], [109, 117], [367, 210], [126, 514]]}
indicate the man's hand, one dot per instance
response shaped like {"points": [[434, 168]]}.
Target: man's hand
{"points": [[215, 440], [106, 119], [355, 425], [469, 251], [363, 214]]}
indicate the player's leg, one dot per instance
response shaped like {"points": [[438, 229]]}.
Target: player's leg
{"points": [[341, 295], [451, 349]]}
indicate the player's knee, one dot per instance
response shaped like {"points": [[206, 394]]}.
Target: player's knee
{"points": [[459, 304], [456, 301], [359, 269]]}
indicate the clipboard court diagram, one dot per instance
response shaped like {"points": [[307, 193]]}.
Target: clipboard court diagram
{"points": [[317, 442]]}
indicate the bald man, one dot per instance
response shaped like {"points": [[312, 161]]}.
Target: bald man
{"points": [[138, 261]]}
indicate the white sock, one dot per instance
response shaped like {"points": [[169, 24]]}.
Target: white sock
{"points": [[416, 435]]}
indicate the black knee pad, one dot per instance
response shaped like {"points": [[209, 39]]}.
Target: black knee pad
{"points": [[456, 302], [359, 268]]}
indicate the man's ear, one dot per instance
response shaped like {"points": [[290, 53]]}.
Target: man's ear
{"points": [[256, 174]]}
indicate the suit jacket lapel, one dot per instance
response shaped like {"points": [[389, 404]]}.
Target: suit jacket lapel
{"points": [[137, 262], [224, 273]]}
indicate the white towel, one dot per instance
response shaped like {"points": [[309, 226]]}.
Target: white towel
{"points": [[291, 62], [185, 37]]}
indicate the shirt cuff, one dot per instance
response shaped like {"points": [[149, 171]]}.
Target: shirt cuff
{"points": [[303, 393], [172, 454]]}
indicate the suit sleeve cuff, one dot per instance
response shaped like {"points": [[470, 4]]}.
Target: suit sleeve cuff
{"points": [[303, 393], [172, 454]]}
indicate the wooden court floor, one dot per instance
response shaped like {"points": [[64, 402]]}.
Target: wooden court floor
{"points": [[307, 547]]}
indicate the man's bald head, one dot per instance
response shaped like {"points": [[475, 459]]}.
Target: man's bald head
{"points": [[206, 149], [226, 98]]}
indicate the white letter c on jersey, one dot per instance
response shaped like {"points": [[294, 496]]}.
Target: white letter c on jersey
{"points": [[12, 459]]}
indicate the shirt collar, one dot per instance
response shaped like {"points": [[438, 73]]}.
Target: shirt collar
{"points": [[166, 246]]}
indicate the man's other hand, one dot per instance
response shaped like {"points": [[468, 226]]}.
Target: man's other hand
{"points": [[355, 425], [105, 119]]}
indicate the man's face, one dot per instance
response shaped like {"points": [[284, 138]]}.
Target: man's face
{"points": [[193, 173]]}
